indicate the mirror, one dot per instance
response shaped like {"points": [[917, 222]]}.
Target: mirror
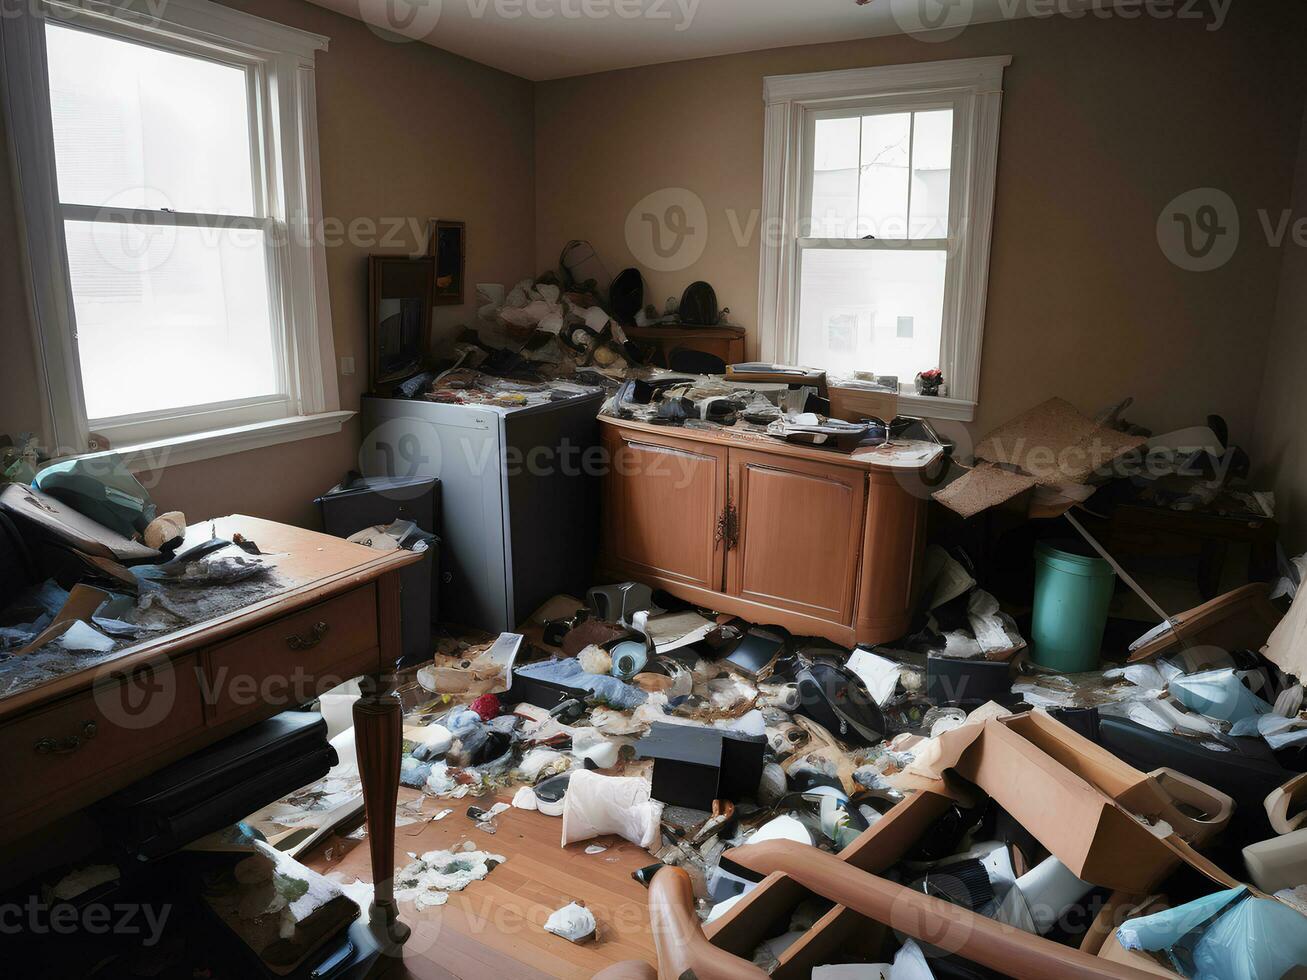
{"points": [[400, 295], [447, 244]]}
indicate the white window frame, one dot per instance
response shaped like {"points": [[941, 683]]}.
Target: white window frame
{"points": [[279, 62], [973, 88]]}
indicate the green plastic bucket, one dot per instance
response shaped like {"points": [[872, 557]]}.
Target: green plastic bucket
{"points": [[1072, 594]]}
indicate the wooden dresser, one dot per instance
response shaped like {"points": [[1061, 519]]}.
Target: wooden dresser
{"points": [[74, 740], [821, 542]]}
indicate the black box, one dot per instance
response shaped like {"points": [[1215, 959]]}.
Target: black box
{"points": [[694, 766]]}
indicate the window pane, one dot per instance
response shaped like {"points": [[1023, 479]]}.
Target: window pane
{"points": [[871, 310], [138, 127], [932, 162], [169, 317], [883, 210], [834, 179]]}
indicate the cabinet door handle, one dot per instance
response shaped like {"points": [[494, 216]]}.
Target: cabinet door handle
{"points": [[62, 746], [728, 527], [312, 638]]}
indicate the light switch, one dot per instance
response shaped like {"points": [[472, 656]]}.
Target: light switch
{"points": [[346, 366]]}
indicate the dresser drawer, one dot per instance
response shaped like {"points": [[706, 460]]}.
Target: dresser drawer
{"points": [[97, 736], [294, 659]]}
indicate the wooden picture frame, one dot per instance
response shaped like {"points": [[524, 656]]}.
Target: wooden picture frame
{"points": [[400, 296], [447, 245]]}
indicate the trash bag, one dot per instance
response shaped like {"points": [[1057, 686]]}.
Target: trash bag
{"points": [[1218, 694], [597, 805], [1225, 936]]}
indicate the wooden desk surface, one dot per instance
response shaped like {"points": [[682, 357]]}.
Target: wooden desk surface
{"points": [[315, 566]]}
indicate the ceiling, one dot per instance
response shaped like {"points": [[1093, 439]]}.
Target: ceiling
{"points": [[545, 39]]}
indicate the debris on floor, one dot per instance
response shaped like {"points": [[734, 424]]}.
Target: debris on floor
{"points": [[573, 922], [428, 880]]}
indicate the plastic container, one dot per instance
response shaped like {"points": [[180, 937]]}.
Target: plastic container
{"points": [[1072, 595]]}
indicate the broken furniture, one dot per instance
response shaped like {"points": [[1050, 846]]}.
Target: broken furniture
{"points": [[724, 342], [519, 496], [80, 737], [1107, 823], [821, 542], [1239, 620], [1142, 529], [358, 503]]}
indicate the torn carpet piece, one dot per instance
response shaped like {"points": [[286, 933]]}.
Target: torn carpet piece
{"points": [[983, 487], [1054, 443]]}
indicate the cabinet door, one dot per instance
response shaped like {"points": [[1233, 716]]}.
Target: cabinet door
{"points": [[664, 497], [799, 534]]}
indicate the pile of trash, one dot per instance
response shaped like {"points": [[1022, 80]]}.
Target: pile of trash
{"points": [[690, 734], [89, 520]]}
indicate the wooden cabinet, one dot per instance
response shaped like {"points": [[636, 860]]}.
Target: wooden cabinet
{"points": [[799, 534], [823, 543], [664, 500]]}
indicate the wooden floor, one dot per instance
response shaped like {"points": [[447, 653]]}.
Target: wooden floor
{"points": [[494, 929]]}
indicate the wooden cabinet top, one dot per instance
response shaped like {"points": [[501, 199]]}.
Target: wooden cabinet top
{"points": [[899, 457]]}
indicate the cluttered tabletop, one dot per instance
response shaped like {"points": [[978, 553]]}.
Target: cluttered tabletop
{"points": [[224, 576]]}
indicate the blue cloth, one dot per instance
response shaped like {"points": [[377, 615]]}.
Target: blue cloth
{"points": [[602, 687]]}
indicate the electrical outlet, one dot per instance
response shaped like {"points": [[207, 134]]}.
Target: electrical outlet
{"points": [[346, 366]]}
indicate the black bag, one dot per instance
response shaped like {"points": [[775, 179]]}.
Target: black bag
{"points": [[626, 298], [835, 698], [699, 305]]}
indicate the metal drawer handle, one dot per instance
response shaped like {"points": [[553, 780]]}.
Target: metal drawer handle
{"points": [[307, 640], [62, 746]]}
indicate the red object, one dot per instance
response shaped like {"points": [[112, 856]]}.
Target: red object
{"points": [[487, 706]]}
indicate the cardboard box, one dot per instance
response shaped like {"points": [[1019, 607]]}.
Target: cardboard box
{"points": [[1077, 800]]}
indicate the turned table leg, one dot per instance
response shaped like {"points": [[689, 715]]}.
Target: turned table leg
{"points": [[378, 737]]}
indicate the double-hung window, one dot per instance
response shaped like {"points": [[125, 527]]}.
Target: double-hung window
{"points": [[168, 177], [879, 188]]}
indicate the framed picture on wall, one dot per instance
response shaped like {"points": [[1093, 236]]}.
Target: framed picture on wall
{"points": [[447, 244]]}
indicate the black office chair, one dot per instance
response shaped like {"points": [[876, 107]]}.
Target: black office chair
{"points": [[686, 360]]}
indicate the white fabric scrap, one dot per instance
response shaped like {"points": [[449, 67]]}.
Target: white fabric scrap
{"points": [[879, 674]]}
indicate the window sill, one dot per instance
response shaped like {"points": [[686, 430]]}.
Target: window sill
{"points": [[223, 442], [934, 407]]}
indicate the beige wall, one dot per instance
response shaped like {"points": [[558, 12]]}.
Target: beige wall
{"points": [[1104, 122], [405, 131], [1280, 450]]}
